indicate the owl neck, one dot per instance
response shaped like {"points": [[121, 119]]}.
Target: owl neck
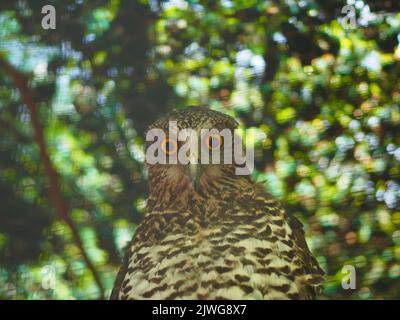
{"points": [[183, 197]]}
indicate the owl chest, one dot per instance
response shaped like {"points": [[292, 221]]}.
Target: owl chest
{"points": [[231, 261]]}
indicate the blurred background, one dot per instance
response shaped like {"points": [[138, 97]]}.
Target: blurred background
{"points": [[319, 83]]}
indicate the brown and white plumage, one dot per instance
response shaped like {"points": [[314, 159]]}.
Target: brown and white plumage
{"points": [[223, 237]]}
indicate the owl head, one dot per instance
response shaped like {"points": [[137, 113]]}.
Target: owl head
{"points": [[193, 148]]}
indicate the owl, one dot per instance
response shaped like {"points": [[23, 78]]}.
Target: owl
{"points": [[210, 233]]}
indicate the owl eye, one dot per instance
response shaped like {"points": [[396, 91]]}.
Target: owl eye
{"points": [[169, 147], [214, 141]]}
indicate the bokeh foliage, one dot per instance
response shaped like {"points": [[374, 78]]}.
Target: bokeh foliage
{"points": [[322, 95]]}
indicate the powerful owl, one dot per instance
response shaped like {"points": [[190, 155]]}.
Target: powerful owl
{"points": [[210, 233]]}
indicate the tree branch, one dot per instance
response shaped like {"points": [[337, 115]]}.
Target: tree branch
{"points": [[56, 197]]}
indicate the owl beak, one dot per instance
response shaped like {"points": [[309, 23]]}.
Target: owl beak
{"points": [[194, 170], [194, 175]]}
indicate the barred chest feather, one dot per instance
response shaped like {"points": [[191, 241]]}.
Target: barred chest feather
{"points": [[242, 248]]}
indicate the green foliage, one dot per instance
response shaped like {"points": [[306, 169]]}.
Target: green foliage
{"points": [[325, 100]]}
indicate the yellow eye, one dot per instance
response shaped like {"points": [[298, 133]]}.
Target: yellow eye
{"points": [[169, 146], [214, 141]]}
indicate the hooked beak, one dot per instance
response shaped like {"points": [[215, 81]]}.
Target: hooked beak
{"points": [[195, 175], [194, 172]]}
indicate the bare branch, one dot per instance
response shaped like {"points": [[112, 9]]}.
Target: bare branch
{"points": [[56, 197]]}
